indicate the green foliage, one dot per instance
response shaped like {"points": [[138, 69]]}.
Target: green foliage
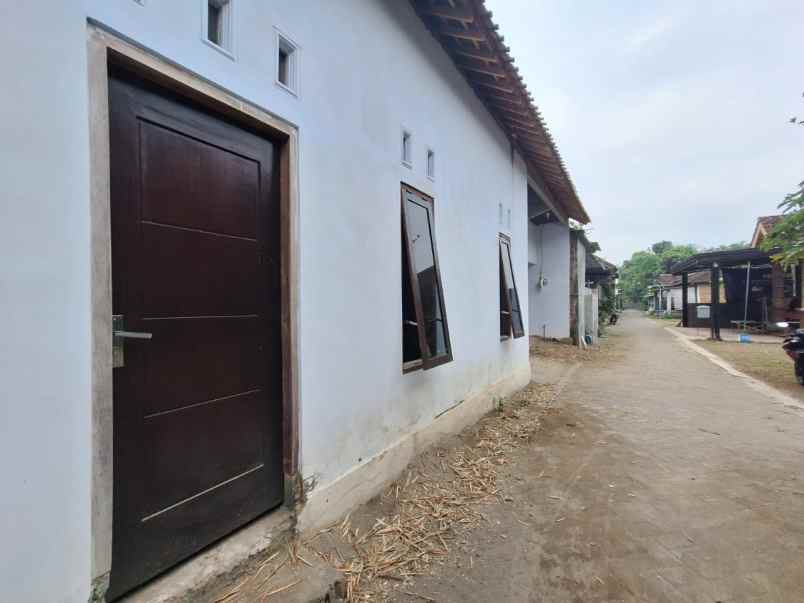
{"points": [[674, 254], [638, 273], [660, 247], [606, 305], [786, 240]]}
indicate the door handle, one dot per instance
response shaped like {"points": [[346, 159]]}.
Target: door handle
{"points": [[133, 334], [119, 335]]}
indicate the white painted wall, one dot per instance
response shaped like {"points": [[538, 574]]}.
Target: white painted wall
{"points": [[549, 256], [676, 295], [356, 94], [591, 303], [580, 254]]}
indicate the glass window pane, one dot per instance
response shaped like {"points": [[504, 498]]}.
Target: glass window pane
{"points": [[410, 328], [516, 314], [419, 231]]}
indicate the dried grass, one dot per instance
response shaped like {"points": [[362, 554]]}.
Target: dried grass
{"points": [[433, 504]]}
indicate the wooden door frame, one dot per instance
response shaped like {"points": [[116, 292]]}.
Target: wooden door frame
{"points": [[105, 46]]}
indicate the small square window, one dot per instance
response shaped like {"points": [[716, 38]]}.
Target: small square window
{"points": [[218, 24], [407, 152], [431, 164], [287, 64]]}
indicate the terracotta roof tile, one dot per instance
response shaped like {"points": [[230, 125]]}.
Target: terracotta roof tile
{"points": [[467, 32]]}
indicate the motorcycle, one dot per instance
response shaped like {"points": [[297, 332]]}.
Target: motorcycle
{"points": [[794, 347]]}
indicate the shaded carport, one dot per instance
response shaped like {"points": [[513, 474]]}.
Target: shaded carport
{"points": [[750, 259]]}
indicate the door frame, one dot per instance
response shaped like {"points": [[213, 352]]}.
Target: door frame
{"points": [[105, 47]]}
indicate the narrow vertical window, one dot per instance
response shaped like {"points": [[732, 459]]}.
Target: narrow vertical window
{"points": [[510, 312], [215, 23], [426, 342], [218, 24], [287, 63], [407, 152], [431, 164]]}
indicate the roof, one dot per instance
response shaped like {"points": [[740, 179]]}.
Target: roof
{"points": [[699, 278], [764, 225], [595, 262], [469, 36], [733, 257], [668, 280]]}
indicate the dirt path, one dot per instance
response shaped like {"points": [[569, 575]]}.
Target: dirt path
{"points": [[655, 476]]}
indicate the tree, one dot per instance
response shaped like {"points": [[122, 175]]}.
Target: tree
{"points": [[638, 273], [786, 240], [674, 254], [641, 271]]}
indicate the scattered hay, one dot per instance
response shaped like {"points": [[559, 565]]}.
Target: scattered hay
{"points": [[438, 499], [604, 350]]}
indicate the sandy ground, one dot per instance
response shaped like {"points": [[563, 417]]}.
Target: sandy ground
{"points": [[652, 476], [766, 362], [637, 471]]}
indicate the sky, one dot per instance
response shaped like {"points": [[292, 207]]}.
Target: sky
{"points": [[672, 118]]}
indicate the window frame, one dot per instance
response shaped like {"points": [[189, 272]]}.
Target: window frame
{"points": [[226, 44], [426, 361], [504, 251], [292, 51], [407, 148]]}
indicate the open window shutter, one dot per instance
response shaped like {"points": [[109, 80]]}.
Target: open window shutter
{"points": [[510, 286], [425, 279]]}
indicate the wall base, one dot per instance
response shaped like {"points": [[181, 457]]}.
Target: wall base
{"points": [[362, 483]]}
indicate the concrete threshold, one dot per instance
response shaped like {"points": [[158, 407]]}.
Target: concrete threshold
{"points": [[223, 562]]}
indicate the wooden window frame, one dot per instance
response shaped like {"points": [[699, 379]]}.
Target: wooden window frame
{"points": [[503, 245], [427, 361]]}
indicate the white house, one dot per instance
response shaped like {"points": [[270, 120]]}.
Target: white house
{"points": [[309, 220], [556, 265]]}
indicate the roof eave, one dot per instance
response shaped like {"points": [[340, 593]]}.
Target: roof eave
{"points": [[465, 30]]}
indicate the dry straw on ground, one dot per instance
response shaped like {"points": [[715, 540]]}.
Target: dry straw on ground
{"points": [[426, 511]]}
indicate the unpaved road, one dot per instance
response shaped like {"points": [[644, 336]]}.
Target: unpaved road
{"points": [[657, 477]]}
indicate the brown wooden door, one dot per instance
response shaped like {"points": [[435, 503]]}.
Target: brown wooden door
{"points": [[195, 255]]}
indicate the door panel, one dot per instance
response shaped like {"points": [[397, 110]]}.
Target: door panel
{"points": [[195, 256], [222, 278], [180, 168]]}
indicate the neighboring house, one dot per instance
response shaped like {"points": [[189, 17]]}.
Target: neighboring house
{"points": [[600, 285], [666, 294], [662, 300], [281, 215], [787, 286]]}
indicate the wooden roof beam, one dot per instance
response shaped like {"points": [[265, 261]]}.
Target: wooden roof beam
{"points": [[473, 34], [485, 68], [463, 14]]}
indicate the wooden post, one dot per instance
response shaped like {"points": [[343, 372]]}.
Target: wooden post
{"points": [[684, 310], [714, 319]]}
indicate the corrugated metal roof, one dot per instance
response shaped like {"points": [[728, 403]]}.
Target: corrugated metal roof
{"points": [[467, 32]]}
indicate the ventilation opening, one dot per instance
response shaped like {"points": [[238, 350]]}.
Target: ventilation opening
{"points": [[431, 164], [406, 148], [218, 23], [287, 63]]}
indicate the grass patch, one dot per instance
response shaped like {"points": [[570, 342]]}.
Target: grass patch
{"points": [[764, 361]]}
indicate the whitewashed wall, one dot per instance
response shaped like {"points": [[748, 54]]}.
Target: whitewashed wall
{"points": [[549, 256], [368, 69], [580, 275]]}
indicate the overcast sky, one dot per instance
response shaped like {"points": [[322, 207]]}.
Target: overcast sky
{"points": [[671, 117]]}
